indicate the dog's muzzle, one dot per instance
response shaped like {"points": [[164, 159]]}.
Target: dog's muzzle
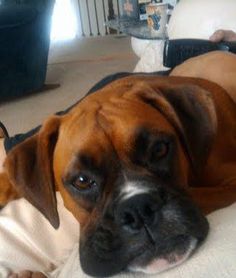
{"points": [[150, 231]]}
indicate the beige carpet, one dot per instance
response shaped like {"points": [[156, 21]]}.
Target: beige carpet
{"points": [[77, 66]]}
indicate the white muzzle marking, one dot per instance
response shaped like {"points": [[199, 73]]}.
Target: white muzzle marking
{"points": [[132, 189]]}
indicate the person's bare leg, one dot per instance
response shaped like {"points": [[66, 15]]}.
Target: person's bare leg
{"points": [[223, 35], [2, 154]]}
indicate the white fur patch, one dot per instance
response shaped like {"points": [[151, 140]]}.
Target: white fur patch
{"points": [[132, 189]]}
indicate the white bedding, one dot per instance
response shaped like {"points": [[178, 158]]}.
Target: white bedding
{"points": [[27, 241]]}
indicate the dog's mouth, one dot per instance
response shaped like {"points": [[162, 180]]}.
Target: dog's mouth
{"points": [[148, 239], [148, 258], [158, 264]]}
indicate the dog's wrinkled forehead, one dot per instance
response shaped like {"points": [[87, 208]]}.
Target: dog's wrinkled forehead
{"points": [[113, 113], [104, 126]]}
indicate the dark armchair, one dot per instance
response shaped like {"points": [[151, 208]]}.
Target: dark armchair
{"points": [[24, 44]]}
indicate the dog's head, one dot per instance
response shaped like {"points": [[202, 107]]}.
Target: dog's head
{"points": [[122, 160]]}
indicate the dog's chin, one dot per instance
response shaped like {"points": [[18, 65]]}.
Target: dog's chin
{"points": [[163, 263]]}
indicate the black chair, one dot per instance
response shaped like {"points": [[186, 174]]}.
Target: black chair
{"points": [[24, 44]]}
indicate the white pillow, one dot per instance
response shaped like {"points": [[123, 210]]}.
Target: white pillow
{"points": [[28, 241], [201, 18]]}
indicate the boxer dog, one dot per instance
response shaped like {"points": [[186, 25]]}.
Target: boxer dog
{"points": [[138, 163]]}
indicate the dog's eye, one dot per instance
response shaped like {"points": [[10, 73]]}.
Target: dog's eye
{"points": [[83, 182], [159, 150]]}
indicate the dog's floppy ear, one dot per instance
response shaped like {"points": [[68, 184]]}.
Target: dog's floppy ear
{"points": [[30, 169], [191, 110]]}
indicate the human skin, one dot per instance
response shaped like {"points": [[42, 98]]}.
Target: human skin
{"points": [[223, 35]]}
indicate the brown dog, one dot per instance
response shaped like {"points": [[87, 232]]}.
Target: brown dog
{"points": [[133, 162]]}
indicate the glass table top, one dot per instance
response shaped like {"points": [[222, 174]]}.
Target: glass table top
{"points": [[135, 28]]}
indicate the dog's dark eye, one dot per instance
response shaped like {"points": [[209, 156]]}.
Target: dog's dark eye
{"points": [[159, 150], [83, 182]]}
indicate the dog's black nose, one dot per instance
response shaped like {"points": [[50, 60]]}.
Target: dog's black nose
{"points": [[136, 212]]}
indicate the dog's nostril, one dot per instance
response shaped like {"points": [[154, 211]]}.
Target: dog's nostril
{"points": [[131, 221], [148, 211], [139, 211], [127, 219]]}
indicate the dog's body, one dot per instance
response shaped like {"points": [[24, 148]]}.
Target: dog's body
{"points": [[128, 160], [215, 66]]}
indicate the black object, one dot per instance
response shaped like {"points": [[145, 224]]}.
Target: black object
{"points": [[24, 45], [179, 50]]}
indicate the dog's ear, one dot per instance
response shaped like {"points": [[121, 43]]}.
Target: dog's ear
{"points": [[191, 110], [30, 168]]}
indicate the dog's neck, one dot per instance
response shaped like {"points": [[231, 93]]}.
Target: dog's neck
{"points": [[221, 163]]}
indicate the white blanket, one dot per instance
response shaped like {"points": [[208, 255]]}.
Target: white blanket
{"points": [[27, 241]]}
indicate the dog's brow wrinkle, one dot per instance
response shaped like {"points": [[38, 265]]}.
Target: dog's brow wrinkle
{"points": [[133, 188]]}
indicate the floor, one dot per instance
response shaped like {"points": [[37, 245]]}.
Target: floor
{"points": [[76, 65]]}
